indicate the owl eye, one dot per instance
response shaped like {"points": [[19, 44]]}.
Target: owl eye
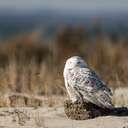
{"points": [[78, 62], [70, 62]]}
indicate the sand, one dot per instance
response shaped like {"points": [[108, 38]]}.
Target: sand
{"points": [[43, 117]]}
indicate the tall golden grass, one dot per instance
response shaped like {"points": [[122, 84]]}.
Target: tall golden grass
{"points": [[31, 64]]}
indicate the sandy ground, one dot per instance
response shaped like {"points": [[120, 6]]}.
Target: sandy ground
{"points": [[53, 118]]}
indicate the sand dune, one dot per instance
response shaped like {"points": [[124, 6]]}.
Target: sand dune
{"points": [[53, 118]]}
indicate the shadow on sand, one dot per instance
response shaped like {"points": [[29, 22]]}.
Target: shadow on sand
{"points": [[119, 111]]}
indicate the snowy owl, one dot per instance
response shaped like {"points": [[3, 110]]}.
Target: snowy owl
{"points": [[83, 84]]}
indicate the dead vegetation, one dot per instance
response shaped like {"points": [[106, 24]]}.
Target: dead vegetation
{"points": [[30, 64]]}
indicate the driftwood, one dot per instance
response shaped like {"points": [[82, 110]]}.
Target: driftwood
{"points": [[78, 111], [20, 100]]}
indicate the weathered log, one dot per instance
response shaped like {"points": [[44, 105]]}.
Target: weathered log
{"points": [[84, 111]]}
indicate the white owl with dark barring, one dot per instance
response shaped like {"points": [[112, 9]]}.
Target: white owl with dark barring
{"points": [[84, 85]]}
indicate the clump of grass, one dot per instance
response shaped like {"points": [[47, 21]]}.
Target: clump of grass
{"points": [[120, 97]]}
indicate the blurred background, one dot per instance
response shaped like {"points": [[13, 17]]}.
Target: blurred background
{"points": [[37, 36]]}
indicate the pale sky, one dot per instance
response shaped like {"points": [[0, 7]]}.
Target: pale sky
{"points": [[78, 5]]}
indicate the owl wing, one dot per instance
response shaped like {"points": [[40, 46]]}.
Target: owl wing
{"points": [[91, 88]]}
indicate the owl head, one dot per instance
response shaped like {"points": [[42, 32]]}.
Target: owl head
{"points": [[75, 61]]}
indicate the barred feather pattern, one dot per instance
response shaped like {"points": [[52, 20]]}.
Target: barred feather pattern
{"points": [[84, 84]]}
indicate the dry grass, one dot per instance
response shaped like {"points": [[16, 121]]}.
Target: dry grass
{"points": [[120, 97], [30, 64]]}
